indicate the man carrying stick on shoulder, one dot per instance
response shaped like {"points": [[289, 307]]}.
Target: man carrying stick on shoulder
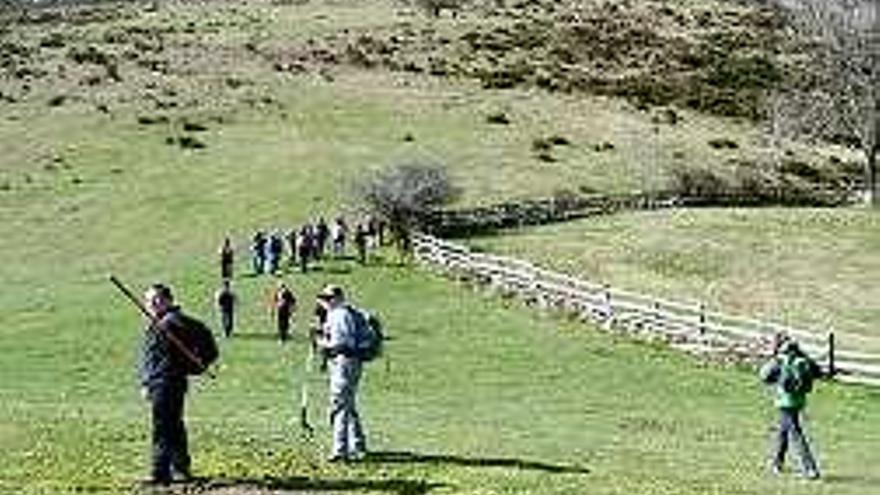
{"points": [[163, 378]]}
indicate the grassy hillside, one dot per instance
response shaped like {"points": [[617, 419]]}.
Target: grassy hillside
{"points": [[201, 61], [100, 174]]}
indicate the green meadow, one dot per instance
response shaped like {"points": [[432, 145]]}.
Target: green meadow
{"points": [[476, 394]]}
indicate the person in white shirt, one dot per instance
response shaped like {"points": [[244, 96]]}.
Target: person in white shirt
{"points": [[339, 343]]}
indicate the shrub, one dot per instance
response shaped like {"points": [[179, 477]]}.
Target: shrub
{"points": [[698, 183], [434, 7], [499, 118], [405, 196], [723, 143]]}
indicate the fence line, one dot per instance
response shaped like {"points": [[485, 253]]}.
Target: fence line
{"points": [[691, 327], [565, 207]]}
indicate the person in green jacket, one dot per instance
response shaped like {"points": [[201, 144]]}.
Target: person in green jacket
{"points": [[791, 373]]}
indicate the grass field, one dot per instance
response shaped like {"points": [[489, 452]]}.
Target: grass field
{"points": [[807, 268], [476, 396]]}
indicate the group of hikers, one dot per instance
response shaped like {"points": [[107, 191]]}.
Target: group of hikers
{"points": [[343, 336], [170, 353], [310, 243], [339, 333], [306, 244]]}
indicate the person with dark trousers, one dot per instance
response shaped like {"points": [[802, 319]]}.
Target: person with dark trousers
{"points": [[305, 246], [791, 373], [258, 251], [164, 383], [291, 244], [361, 237], [225, 299], [274, 251], [284, 305], [380, 232], [322, 235], [227, 258]]}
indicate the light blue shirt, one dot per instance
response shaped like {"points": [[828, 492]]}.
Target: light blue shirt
{"points": [[340, 329]]}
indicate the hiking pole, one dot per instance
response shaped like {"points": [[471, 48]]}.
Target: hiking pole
{"points": [[304, 393], [154, 323]]}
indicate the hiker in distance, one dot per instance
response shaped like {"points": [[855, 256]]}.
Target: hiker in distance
{"points": [[258, 252], [227, 257], [274, 251], [283, 305], [338, 343], [791, 372], [226, 300], [163, 378], [361, 241]]}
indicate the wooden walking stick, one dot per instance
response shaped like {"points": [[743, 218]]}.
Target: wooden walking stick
{"points": [[154, 323], [304, 391]]}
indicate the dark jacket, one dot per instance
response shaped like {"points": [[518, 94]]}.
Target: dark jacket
{"points": [[159, 363]]}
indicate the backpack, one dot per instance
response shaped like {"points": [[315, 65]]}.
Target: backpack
{"points": [[796, 376], [368, 335], [198, 339]]}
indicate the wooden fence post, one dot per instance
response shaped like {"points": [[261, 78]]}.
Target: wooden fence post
{"points": [[831, 345], [702, 326], [655, 316]]}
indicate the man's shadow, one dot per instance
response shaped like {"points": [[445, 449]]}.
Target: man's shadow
{"points": [[396, 486], [305, 484], [404, 457]]}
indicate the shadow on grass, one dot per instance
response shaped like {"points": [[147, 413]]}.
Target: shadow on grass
{"points": [[304, 484], [254, 336], [337, 270], [844, 479], [415, 458]]}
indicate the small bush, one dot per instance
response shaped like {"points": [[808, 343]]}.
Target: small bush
{"points": [[723, 143], [53, 40], [57, 100], [499, 118], [88, 55], [698, 183], [541, 145], [190, 126], [152, 120], [546, 157], [185, 142], [557, 140], [604, 146], [189, 142], [800, 169], [434, 7]]}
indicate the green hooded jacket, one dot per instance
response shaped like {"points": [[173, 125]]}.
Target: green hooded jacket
{"points": [[775, 372]]}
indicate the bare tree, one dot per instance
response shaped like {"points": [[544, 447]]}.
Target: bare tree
{"points": [[404, 196], [839, 98]]}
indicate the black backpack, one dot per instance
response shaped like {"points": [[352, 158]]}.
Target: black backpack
{"points": [[197, 339], [798, 376]]}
